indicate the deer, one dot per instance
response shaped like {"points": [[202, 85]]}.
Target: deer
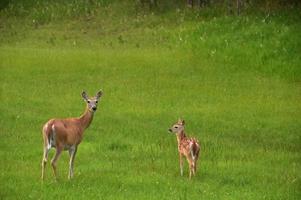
{"points": [[188, 147], [67, 134]]}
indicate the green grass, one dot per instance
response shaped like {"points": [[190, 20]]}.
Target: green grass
{"points": [[235, 80]]}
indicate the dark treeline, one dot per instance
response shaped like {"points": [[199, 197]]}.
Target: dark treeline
{"points": [[230, 6]]}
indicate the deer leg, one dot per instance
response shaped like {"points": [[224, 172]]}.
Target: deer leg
{"points": [[72, 153], [195, 162], [190, 170], [190, 162], [54, 160], [44, 160], [196, 159], [181, 163], [194, 167]]}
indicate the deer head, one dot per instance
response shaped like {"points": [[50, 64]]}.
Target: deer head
{"points": [[177, 127], [92, 101]]}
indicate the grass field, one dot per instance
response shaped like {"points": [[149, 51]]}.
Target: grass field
{"points": [[235, 80]]}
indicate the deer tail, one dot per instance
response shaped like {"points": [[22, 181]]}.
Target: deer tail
{"points": [[48, 134], [193, 149]]}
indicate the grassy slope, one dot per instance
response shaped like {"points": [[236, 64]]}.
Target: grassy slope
{"points": [[236, 81]]}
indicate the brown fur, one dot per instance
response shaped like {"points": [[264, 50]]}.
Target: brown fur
{"points": [[66, 134], [188, 147]]}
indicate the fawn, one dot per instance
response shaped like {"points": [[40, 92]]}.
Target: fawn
{"points": [[189, 147]]}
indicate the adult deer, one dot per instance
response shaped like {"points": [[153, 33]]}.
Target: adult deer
{"points": [[66, 134]]}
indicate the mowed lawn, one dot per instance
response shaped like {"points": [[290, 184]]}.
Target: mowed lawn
{"points": [[245, 113]]}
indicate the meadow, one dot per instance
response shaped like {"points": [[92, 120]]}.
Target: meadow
{"points": [[236, 80]]}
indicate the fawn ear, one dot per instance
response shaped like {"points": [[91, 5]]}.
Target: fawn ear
{"points": [[99, 94], [182, 122], [84, 95]]}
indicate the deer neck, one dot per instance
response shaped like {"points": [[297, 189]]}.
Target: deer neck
{"points": [[86, 118], [181, 136]]}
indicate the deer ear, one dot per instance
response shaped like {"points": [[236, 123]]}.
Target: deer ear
{"points": [[180, 121], [99, 94], [183, 122], [84, 95]]}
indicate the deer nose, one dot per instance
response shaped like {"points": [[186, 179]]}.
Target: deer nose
{"points": [[169, 130], [94, 108]]}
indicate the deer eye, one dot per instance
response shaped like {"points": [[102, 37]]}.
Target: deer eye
{"points": [[176, 127], [88, 101], [96, 101]]}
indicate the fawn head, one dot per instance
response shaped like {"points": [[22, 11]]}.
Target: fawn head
{"points": [[92, 101], [177, 127]]}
